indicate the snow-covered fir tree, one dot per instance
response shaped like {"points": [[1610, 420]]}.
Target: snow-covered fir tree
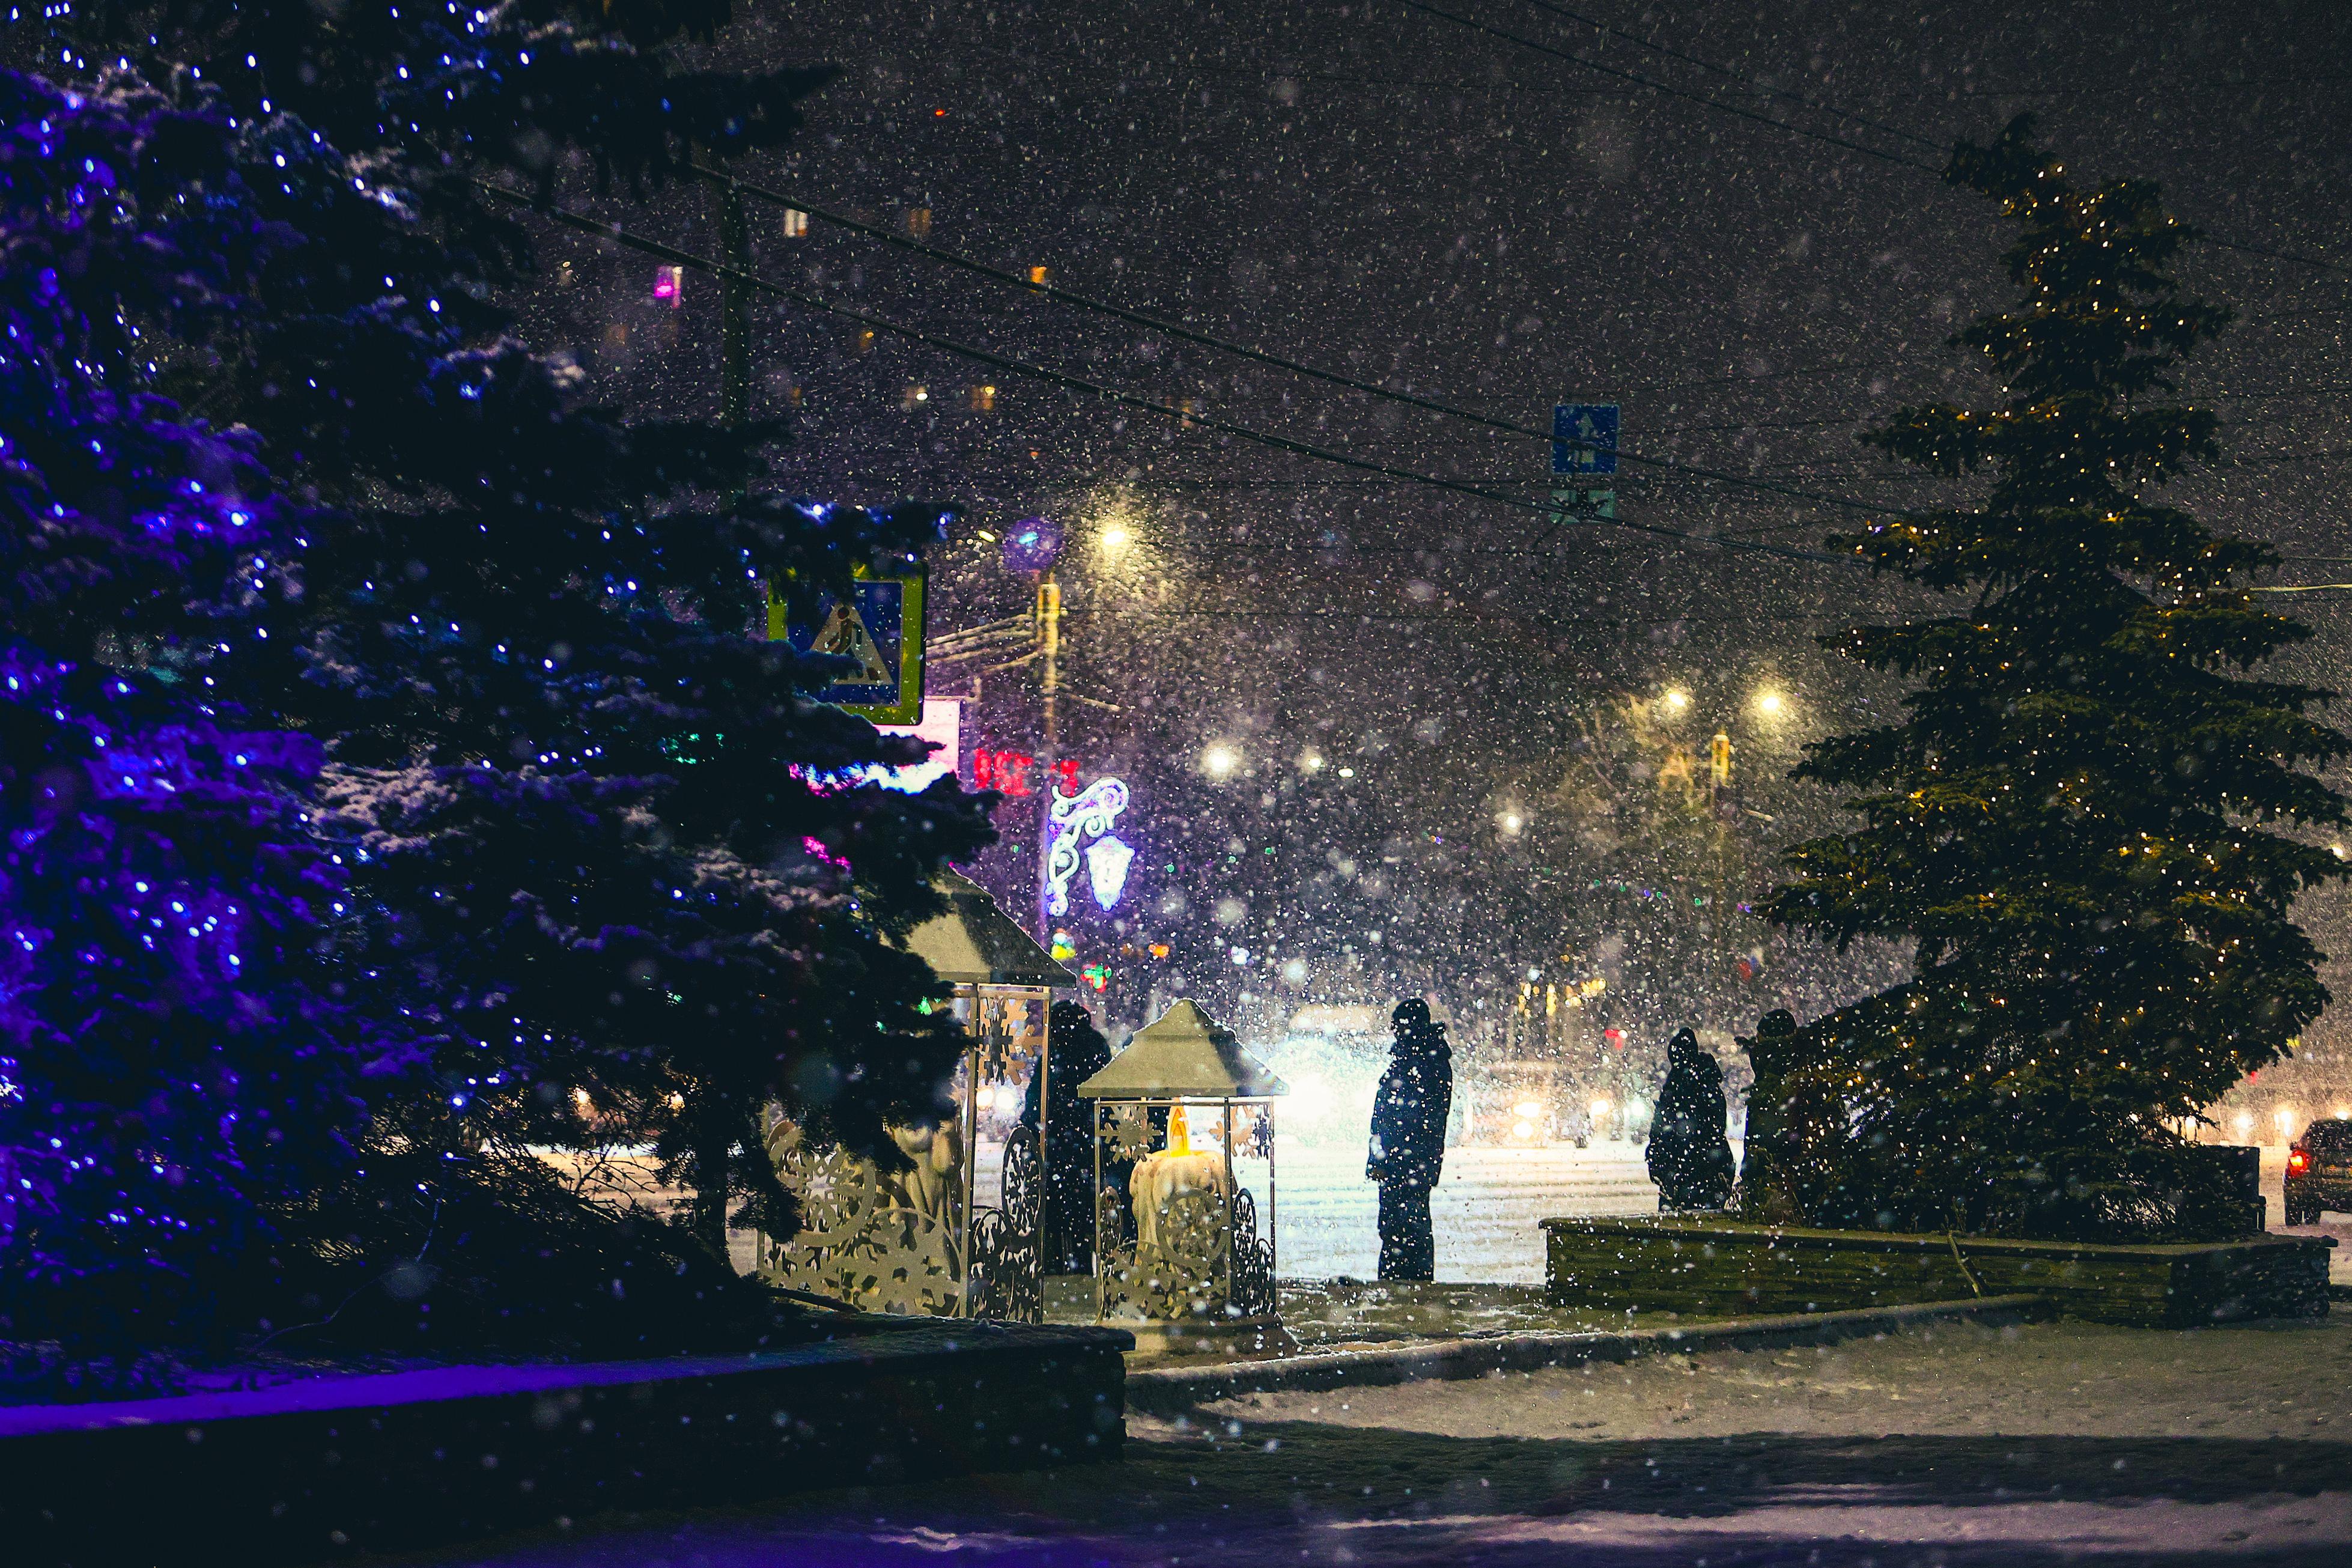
{"points": [[2088, 820], [613, 865], [173, 1072]]}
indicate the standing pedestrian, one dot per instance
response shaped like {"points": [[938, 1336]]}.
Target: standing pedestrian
{"points": [[1689, 1157], [1408, 1149], [1766, 1152], [1076, 1051]]}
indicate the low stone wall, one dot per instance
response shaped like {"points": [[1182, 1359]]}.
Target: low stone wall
{"points": [[1716, 1268], [330, 1466]]}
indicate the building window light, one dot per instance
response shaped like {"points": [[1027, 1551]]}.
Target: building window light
{"points": [[915, 398], [980, 399], [795, 224]]}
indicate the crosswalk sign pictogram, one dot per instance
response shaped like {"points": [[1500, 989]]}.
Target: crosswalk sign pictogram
{"points": [[880, 627]]}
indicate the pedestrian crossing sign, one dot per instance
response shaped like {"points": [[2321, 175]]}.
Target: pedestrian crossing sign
{"points": [[878, 627]]}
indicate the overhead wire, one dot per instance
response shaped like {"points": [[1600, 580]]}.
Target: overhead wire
{"points": [[796, 203], [1475, 25], [676, 256], [1818, 106], [1668, 89]]}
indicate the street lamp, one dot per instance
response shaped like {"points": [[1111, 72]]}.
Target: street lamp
{"points": [[1220, 761], [1767, 703], [1677, 699]]}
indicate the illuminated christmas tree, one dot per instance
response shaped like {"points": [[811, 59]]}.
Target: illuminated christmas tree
{"points": [[172, 1071], [610, 866], [2086, 820]]}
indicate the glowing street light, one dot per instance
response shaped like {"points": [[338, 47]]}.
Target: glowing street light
{"points": [[1116, 538], [1767, 703], [1677, 699], [1220, 761]]}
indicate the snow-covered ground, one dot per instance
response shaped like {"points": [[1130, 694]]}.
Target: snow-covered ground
{"points": [[1957, 1446], [1488, 1208]]}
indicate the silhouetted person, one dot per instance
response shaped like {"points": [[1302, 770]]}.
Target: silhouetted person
{"points": [[1689, 1157], [1764, 1191], [1076, 1051], [1409, 1140]]}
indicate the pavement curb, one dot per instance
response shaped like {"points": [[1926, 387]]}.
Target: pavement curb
{"points": [[1487, 1356]]}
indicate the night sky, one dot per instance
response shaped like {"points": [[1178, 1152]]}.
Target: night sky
{"points": [[1407, 200]]}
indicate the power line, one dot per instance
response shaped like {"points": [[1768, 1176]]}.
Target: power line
{"points": [[1817, 105], [1672, 92], [672, 254], [1224, 345], [1699, 98]]}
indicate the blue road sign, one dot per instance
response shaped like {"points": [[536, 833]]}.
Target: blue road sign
{"points": [[1585, 439], [880, 627]]}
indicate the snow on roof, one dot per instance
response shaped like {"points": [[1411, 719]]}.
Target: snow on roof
{"points": [[1184, 1054], [974, 942]]}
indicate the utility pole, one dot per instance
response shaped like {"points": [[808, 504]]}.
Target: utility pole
{"points": [[1049, 645], [734, 301]]}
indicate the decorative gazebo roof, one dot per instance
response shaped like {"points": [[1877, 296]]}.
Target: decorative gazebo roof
{"points": [[1183, 1055], [973, 943]]}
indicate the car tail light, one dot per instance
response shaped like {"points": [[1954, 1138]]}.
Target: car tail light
{"points": [[2297, 1161]]}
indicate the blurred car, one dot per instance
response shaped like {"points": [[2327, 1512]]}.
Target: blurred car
{"points": [[2319, 1172]]}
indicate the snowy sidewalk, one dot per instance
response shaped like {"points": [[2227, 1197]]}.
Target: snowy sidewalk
{"points": [[1957, 1444]]}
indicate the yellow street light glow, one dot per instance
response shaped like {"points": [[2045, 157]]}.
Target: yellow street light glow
{"points": [[1526, 1110], [1513, 822], [1677, 699], [1767, 703], [1221, 761], [1117, 537], [1524, 1130], [1599, 1107]]}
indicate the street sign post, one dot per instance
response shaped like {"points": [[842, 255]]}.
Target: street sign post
{"points": [[1585, 439]]}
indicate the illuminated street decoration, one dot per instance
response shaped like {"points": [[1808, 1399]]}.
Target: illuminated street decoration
{"points": [[1107, 862], [1073, 820]]}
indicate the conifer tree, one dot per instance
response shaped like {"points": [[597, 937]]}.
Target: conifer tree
{"points": [[173, 1072], [613, 865], [2092, 820]]}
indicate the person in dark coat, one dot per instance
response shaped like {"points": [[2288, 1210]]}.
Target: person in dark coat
{"points": [[1766, 1154], [1408, 1149], [1689, 1157], [1074, 1051]]}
